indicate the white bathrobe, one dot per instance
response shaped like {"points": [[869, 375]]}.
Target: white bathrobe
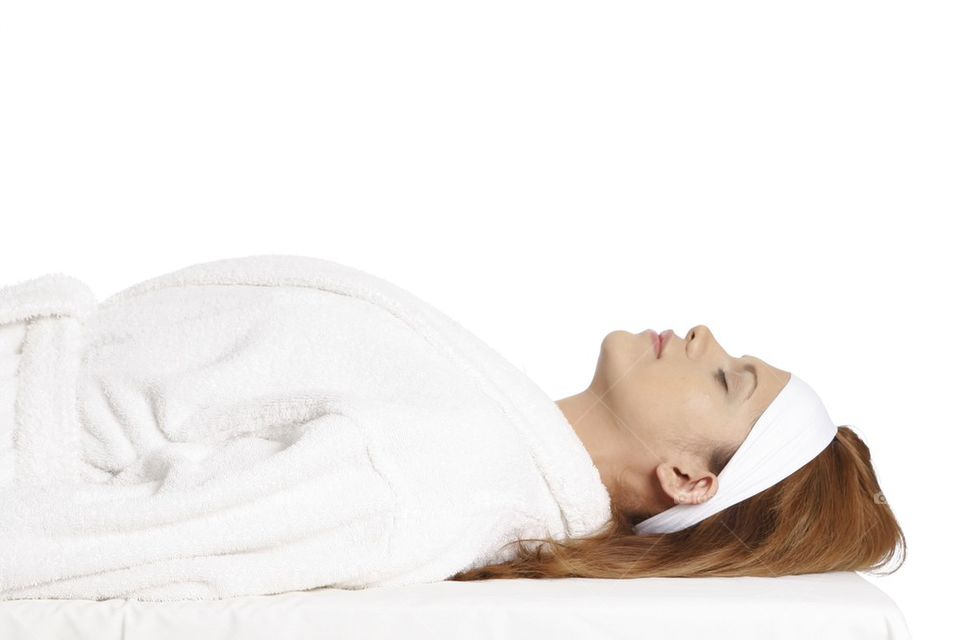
{"points": [[266, 424]]}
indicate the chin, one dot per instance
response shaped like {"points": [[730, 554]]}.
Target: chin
{"points": [[618, 338]]}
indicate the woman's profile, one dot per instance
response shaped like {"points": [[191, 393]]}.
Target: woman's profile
{"points": [[662, 418], [276, 423]]}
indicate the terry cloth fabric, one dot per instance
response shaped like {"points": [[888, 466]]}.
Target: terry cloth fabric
{"points": [[266, 424]]}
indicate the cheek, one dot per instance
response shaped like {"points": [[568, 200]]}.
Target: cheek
{"points": [[645, 400], [697, 405], [682, 394], [703, 414]]}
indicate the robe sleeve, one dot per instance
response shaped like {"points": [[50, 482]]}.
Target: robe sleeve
{"points": [[260, 515]]}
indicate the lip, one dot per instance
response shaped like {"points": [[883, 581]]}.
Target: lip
{"points": [[656, 342], [661, 340]]}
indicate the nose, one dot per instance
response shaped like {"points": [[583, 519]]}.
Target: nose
{"points": [[700, 329], [697, 338]]}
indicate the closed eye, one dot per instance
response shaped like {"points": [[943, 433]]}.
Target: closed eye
{"points": [[722, 378]]}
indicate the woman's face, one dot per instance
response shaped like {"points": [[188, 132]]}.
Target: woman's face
{"points": [[692, 391]]}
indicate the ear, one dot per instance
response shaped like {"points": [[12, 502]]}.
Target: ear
{"points": [[686, 482]]}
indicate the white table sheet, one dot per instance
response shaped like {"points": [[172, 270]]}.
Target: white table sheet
{"points": [[822, 606]]}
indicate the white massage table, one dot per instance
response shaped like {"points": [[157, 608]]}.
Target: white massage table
{"points": [[822, 606]]}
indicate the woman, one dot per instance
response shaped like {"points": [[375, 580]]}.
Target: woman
{"points": [[276, 423], [661, 420]]}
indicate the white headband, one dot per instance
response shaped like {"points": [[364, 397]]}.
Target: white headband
{"points": [[793, 429]]}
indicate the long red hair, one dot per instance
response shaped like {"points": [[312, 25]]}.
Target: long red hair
{"points": [[829, 515]]}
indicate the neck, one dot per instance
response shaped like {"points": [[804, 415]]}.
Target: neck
{"points": [[626, 464]]}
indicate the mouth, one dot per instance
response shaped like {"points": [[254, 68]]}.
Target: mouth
{"points": [[661, 340]]}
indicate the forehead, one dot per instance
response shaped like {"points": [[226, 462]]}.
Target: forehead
{"points": [[770, 379]]}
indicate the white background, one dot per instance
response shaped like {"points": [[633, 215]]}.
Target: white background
{"points": [[544, 173]]}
